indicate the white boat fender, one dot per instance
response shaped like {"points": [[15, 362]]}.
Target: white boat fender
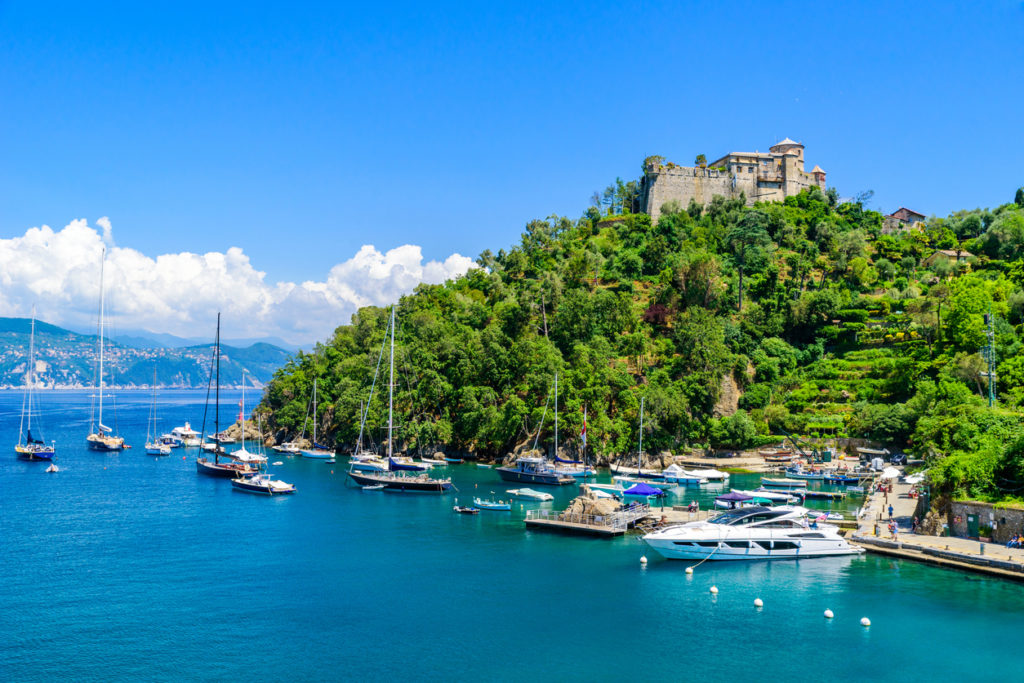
{"points": [[828, 614], [643, 559], [865, 621], [758, 603], [689, 570], [714, 590]]}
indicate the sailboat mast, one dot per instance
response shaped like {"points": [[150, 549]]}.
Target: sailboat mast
{"points": [[391, 381], [359, 441], [103, 258], [31, 366], [640, 455], [216, 400], [556, 416], [314, 411]]}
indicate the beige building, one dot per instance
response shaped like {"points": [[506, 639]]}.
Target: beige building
{"points": [[902, 219], [761, 177]]}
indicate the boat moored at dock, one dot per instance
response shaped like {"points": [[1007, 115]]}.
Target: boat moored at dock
{"points": [[752, 533]]}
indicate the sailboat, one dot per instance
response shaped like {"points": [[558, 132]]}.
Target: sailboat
{"points": [[242, 455], [33, 448], [396, 479], [317, 452], [572, 468], [215, 468], [261, 483], [537, 470], [102, 439], [154, 445], [638, 471]]}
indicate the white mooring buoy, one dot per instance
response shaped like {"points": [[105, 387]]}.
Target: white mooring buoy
{"points": [[689, 570], [828, 614], [865, 622], [714, 590], [643, 559], [758, 602]]}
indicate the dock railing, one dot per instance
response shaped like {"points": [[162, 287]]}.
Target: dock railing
{"points": [[621, 519]]}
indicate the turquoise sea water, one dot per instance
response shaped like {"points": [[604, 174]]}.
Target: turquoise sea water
{"points": [[129, 567]]}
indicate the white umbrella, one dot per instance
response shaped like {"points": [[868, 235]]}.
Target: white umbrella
{"points": [[890, 473]]}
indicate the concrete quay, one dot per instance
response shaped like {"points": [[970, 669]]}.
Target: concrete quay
{"points": [[963, 554]]}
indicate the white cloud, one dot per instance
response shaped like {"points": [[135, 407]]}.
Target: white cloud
{"points": [[58, 271]]}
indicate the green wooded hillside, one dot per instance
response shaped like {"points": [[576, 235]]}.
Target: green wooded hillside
{"points": [[734, 323]]}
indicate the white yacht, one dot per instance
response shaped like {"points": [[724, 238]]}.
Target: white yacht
{"points": [[752, 533], [187, 435], [677, 475]]}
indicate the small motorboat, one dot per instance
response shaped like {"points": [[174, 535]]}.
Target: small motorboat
{"points": [[496, 505], [53, 468], [262, 483], [374, 487], [277, 463], [531, 494], [157, 448], [330, 461], [463, 510], [434, 461], [484, 466], [453, 460]]}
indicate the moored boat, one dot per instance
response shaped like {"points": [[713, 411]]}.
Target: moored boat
{"points": [[263, 484], [530, 494], [34, 448], [186, 435], [317, 452], [534, 470], [215, 468], [784, 484], [494, 505], [397, 479], [753, 533], [154, 446], [102, 438]]}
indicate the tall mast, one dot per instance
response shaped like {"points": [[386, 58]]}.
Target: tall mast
{"points": [[314, 412], [359, 441], [31, 366], [216, 401], [640, 455], [556, 416], [391, 381], [103, 258]]}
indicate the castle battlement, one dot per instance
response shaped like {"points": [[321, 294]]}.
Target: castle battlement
{"points": [[761, 177]]}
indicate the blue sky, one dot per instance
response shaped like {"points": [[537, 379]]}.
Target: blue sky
{"points": [[299, 132]]}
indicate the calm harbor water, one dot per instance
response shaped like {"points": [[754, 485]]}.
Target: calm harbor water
{"points": [[129, 567]]}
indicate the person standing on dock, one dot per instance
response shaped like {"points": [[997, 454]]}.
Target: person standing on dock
{"points": [[890, 511]]}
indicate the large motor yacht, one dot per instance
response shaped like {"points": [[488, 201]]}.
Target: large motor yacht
{"points": [[752, 533]]}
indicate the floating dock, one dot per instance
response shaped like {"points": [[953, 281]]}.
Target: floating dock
{"points": [[605, 526]]}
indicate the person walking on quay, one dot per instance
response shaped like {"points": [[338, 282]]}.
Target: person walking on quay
{"points": [[890, 511], [913, 526]]}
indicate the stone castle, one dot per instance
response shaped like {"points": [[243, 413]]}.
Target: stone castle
{"points": [[760, 177]]}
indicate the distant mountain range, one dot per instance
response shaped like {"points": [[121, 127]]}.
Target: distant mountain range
{"points": [[144, 339], [66, 359]]}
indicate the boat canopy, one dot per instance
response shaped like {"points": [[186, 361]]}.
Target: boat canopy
{"points": [[733, 497], [30, 439], [642, 489], [873, 451]]}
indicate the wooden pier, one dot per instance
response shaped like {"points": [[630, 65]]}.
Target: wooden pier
{"points": [[614, 524]]}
